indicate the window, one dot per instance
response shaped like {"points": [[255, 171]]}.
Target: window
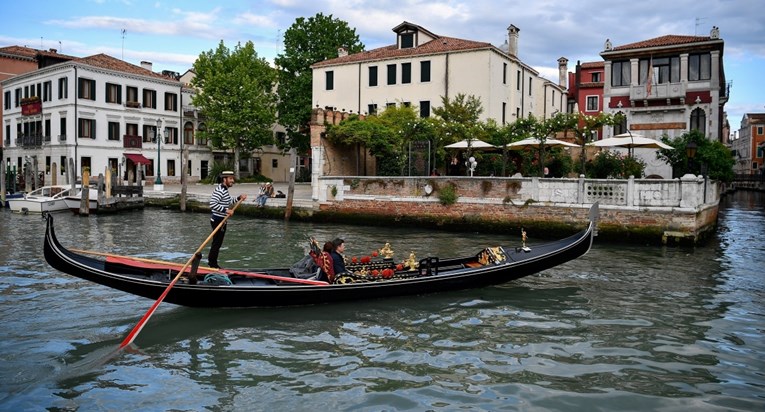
{"points": [[504, 113], [63, 84], [760, 130], [113, 93], [504, 73], [87, 89], [274, 163], [114, 131], [7, 100], [372, 109], [188, 133], [406, 104], [47, 164], [620, 74], [663, 70], [406, 73], [149, 132], [132, 97], [530, 79], [518, 80], [699, 67], [424, 108], [372, 76], [150, 98], [202, 138], [171, 167], [330, 79], [407, 40], [87, 128], [131, 129], [425, 71], [596, 77], [46, 133], [171, 102], [699, 120], [47, 91], [390, 105], [63, 165], [173, 136], [592, 103], [62, 129], [621, 127], [391, 74]]}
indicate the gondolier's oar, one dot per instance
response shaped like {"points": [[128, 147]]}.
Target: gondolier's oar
{"points": [[203, 269], [141, 323]]}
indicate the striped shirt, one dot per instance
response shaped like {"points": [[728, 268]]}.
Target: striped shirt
{"points": [[220, 201]]}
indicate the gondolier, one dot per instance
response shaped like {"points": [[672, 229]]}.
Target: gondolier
{"points": [[220, 206]]}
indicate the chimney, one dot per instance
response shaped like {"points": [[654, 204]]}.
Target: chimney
{"points": [[562, 72], [146, 65], [512, 44], [341, 52], [53, 51]]}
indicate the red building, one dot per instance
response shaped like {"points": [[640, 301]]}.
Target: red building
{"points": [[585, 92]]}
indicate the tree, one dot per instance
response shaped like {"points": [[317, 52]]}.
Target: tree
{"points": [[235, 93], [306, 42], [711, 157], [584, 126], [459, 119]]}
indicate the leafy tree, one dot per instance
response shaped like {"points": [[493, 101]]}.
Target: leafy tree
{"points": [[583, 126], [236, 97], [459, 119], [306, 42], [711, 156]]}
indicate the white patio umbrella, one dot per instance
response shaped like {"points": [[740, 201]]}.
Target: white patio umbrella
{"points": [[535, 142], [631, 142], [474, 144]]}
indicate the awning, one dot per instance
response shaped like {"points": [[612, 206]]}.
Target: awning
{"points": [[138, 158]]}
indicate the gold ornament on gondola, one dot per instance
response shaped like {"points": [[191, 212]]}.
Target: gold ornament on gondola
{"points": [[412, 262], [386, 251]]}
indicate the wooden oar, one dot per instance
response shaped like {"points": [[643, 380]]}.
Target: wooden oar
{"points": [[141, 323], [203, 269]]}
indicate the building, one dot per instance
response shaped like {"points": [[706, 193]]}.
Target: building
{"points": [[667, 85], [419, 68], [101, 112], [749, 145], [585, 91], [15, 60]]}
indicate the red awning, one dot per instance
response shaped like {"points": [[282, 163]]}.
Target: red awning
{"points": [[137, 158]]}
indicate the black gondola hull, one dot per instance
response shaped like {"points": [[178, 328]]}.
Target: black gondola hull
{"points": [[138, 281]]}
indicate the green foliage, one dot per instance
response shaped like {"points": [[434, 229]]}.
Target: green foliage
{"points": [[459, 120], [447, 195], [608, 164], [306, 42], [215, 170], [711, 156], [236, 97]]}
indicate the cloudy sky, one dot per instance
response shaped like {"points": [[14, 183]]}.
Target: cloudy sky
{"points": [[171, 34]]}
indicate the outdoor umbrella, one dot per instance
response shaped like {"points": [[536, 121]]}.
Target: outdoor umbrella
{"points": [[535, 142], [474, 144], [631, 141]]}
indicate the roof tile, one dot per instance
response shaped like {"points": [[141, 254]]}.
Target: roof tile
{"points": [[668, 40]]}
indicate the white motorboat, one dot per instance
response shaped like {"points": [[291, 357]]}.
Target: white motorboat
{"points": [[73, 201], [44, 199]]}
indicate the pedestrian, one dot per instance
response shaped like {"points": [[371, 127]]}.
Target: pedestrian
{"points": [[220, 206], [266, 191]]}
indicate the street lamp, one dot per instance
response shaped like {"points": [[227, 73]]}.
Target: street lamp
{"points": [[690, 151], [158, 137]]}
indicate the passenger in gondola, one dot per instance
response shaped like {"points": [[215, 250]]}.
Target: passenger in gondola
{"points": [[338, 261]]}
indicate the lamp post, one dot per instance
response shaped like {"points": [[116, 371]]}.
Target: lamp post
{"points": [[158, 136], [690, 151]]}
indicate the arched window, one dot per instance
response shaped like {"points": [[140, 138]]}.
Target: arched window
{"points": [[699, 120], [621, 127], [188, 133]]}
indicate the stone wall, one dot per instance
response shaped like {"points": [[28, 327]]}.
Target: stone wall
{"points": [[647, 210]]}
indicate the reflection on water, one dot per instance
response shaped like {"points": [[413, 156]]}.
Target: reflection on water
{"points": [[624, 328]]}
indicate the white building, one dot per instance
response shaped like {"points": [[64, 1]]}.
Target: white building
{"points": [[420, 67], [102, 112]]}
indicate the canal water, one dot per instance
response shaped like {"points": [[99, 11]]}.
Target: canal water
{"points": [[626, 327]]}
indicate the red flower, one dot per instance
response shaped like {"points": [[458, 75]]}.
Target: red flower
{"points": [[354, 259], [366, 259], [399, 267], [375, 272], [374, 253]]}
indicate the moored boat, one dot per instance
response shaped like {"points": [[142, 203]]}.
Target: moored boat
{"points": [[73, 201], [44, 199], [377, 278]]}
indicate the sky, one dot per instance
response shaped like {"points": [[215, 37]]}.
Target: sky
{"points": [[171, 34]]}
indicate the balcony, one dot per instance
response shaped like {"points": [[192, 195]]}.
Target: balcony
{"points": [[132, 142], [658, 91], [133, 105], [29, 140]]}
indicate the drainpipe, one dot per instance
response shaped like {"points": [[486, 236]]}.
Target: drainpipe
{"points": [[76, 86], [446, 77]]}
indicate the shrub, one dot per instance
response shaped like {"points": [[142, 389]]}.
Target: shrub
{"points": [[447, 195]]}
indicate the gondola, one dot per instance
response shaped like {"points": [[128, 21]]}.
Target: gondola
{"points": [[371, 279]]}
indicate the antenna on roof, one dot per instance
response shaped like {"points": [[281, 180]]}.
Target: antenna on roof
{"points": [[60, 47], [124, 32], [698, 23]]}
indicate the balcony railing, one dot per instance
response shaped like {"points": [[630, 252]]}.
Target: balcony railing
{"points": [[658, 91], [132, 141], [133, 105], [62, 138], [29, 140]]}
